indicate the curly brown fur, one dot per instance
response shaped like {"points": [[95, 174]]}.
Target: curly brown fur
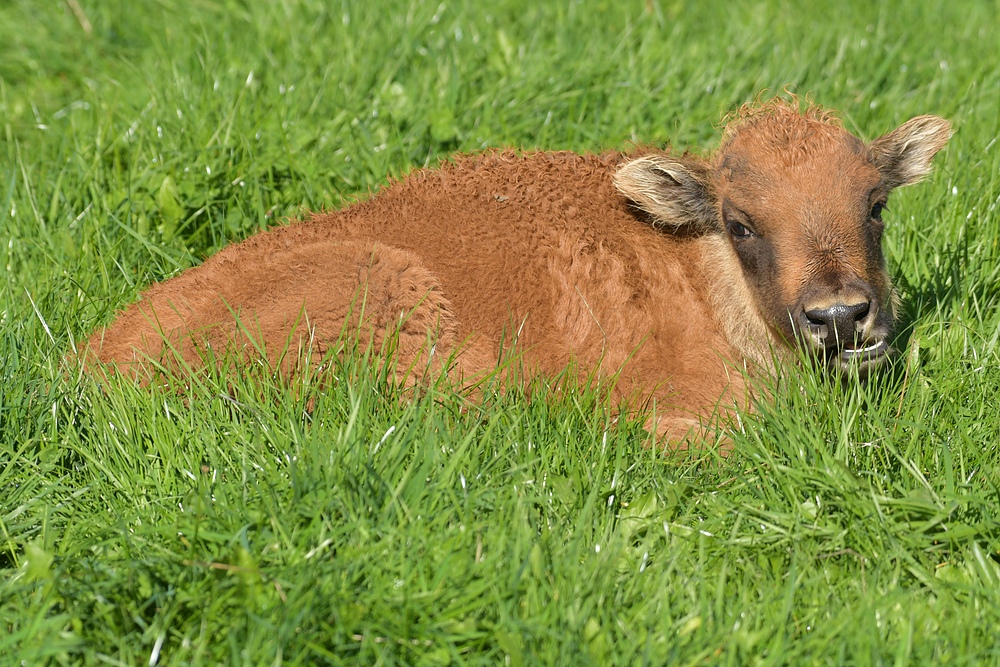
{"points": [[634, 264]]}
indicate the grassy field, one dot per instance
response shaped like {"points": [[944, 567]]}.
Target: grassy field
{"points": [[852, 525]]}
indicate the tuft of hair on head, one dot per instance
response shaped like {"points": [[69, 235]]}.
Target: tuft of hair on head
{"points": [[777, 112]]}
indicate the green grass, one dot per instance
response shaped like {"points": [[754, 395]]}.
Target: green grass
{"points": [[226, 523]]}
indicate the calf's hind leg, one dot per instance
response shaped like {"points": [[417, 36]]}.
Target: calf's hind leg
{"points": [[395, 297], [283, 300]]}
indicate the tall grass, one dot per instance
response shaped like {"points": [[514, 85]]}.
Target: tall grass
{"points": [[342, 520]]}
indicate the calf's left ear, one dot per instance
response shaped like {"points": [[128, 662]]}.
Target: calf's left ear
{"points": [[904, 155], [674, 191]]}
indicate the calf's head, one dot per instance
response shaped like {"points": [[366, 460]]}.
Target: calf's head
{"points": [[800, 201]]}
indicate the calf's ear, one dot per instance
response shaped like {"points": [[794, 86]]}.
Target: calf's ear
{"points": [[675, 192], [904, 155]]}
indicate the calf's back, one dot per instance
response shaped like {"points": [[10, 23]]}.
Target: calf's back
{"points": [[537, 250]]}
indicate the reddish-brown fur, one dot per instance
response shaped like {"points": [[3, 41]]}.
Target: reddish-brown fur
{"points": [[615, 262]]}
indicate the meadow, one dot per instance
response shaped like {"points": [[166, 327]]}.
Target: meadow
{"points": [[244, 520]]}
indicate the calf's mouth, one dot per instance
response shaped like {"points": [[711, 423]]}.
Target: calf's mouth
{"points": [[862, 354]]}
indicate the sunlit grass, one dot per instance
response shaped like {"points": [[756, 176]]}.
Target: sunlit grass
{"points": [[340, 519]]}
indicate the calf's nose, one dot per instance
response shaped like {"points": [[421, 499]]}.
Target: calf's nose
{"points": [[838, 323]]}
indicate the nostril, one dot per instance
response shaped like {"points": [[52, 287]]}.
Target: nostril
{"points": [[815, 318], [862, 311]]}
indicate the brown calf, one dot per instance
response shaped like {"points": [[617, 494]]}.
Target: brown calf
{"points": [[674, 270]]}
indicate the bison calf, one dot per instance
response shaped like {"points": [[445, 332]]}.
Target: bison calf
{"points": [[674, 271]]}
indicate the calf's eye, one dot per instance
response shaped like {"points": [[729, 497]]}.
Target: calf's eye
{"points": [[739, 231], [877, 211]]}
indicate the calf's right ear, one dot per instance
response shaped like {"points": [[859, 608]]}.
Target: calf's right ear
{"points": [[675, 192]]}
